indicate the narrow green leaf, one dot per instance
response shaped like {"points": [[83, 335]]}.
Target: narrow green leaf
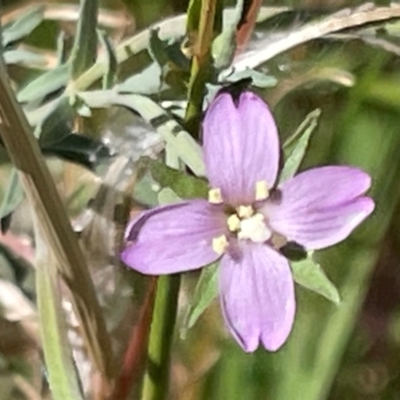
{"points": [[24, 57], [110, 75], [84, 51], [23, 26], [309, 274], [42, 194], [158, 48], [193, 16], [55, 123], [45, 84], [62, 49], [224, 46], [296, 146], [62, 373], [13, 194], [205, 292], [258, 78], [184, 185]]}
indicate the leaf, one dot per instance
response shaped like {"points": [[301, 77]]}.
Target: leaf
{"points": [[23, 26], [45, 84], [184, 185], [298, 144], [258, 78], [266, 49], [146, 191], [110, 75], [84, 50], [310, 275], [61, 370], [204, 294], [82, 150], [168, 196], [224, 46], [158, 48], [45, 201], [146, 82], [55, 124], [13, 195], [193, 16], [24, 57], [177, 139]]}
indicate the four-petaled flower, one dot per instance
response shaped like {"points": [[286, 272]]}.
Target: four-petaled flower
{"points": [[247, 220]]}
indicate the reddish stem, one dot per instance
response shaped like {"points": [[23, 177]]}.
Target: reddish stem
{"points": [[136, 351], [246, 24]]}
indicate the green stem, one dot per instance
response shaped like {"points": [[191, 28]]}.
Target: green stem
{"points": [[201, 70], [162, 329]]}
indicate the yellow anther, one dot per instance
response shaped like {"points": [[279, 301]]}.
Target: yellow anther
{"points": [[233, 223], [219, 244], [215, 196], [245, 211], [262, 191]]}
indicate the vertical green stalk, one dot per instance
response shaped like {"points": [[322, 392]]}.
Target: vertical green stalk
{"points": [[201, 70], [157, 373], [162, 329]]}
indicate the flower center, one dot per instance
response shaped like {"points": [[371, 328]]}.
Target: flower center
{"points": [[247, 224]]}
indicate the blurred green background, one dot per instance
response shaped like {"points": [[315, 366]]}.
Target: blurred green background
{"points": [[345, 352]]}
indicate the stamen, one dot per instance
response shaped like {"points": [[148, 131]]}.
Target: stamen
{"points": [[215, 196], [219, 244], [262, 191], [245, 211], [233, 223]]}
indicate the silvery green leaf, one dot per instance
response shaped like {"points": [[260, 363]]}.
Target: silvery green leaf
{"points": [[205, 293], [62, 373], [47, 83], [296, 146], [146, 82], [110, 76], [84, 50], [310, 275], [158, 48], [13, 194], [176, 138], [258, 78], [23, 26], [224, 46], [24, 57]]}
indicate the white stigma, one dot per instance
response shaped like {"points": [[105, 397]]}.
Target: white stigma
{"points": [[255, 229]]}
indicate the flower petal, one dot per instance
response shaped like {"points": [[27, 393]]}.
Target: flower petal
{"points": [[321, 207], [241, 146], [174, 238], [257, 297]]}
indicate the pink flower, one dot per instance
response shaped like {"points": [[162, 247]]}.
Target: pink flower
{"points": [[247, 219]]}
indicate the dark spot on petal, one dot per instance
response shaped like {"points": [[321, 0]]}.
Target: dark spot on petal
{"points": [[275, 196], [294, 251]]}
